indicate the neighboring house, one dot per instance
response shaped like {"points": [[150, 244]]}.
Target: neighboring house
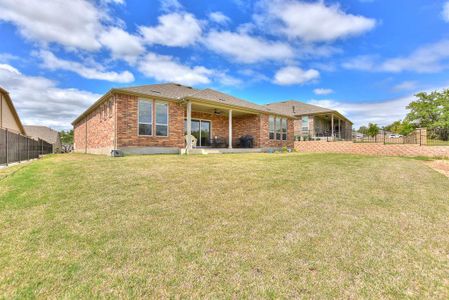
{"points": [[157, 118], [9, 119], [47, 134], [315, 121]]}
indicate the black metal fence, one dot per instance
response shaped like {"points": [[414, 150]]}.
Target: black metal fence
{"points": [[416, 137], [438, 137], [16, 147], [324, 135]]}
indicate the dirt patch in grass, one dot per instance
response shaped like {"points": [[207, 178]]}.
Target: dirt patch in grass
{"points": [[441, 166]]}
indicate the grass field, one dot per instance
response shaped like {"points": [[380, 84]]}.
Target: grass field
{"points": [[224, 226]]}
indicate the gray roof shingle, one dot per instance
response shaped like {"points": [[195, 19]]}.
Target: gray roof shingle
{"points": [[297, 108], [166, 90], [42, 132]]}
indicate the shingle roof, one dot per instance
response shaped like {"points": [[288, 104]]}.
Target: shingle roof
{"points": [[47, 134], [166, 90], [219, 97], [297, 108]]}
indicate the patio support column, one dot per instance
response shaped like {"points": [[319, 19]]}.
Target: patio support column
{"points": [[189, 125], [230, 129], [339, 128], [332, 125]]}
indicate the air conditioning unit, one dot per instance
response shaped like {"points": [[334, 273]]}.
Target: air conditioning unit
{"points": [[117, 153]]}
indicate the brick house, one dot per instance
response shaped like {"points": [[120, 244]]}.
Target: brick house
{"points": [[157, 118], [315, 122]]}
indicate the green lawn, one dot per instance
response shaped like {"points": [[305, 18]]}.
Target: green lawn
{"points": [[224, 226]]}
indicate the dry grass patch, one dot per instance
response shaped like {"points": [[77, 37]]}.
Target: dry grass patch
{"points": [[224, 226]]}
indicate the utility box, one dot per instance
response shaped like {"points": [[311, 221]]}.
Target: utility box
{"points": [[116, 153]]}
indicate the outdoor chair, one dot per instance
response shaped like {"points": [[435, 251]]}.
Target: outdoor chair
{"points": [[194, 140]]}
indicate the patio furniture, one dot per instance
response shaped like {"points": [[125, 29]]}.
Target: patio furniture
{"points": [[219, 142], [246, 141], [193, 139]]}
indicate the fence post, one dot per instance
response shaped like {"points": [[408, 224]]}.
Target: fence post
{"points": [[6, 136], [420, 137], [384, 137], [28, 149], [42, 147]]}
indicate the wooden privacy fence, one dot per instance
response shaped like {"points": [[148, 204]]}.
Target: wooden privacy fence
{"points": [[16, 147]]}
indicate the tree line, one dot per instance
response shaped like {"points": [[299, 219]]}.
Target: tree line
{"points": [[429, 110]]}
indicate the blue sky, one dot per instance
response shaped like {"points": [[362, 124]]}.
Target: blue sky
{"points": [[366, 58]]}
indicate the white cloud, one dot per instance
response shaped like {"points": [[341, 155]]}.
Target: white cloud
{"points": [[322, 91], [405, 86], [446, 11], [427, 59], [219, 17], [170, 5], [166, 68], [311, 21], [360, 63], [175, 29], [73, 24], [244, 48], [122, 44], [50, 61], [430, 58], [40, 102], [295, 75], [381, 113]]}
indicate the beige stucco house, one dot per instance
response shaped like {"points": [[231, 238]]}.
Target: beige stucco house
{"points": [[9, 119]]}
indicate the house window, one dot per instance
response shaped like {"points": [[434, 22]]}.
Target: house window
{"points": [[161, 119], [271, 127], [145, 117], [284, 129], [278, 128], [305, 123]]}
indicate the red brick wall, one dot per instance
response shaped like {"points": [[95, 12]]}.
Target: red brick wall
{"points": [[265, 142], [100, 130], [127, 127], [372, 149], [101, 133], [219, 125], [246, 125]]}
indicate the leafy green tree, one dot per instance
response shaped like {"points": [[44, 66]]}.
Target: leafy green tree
{"points": [[400, 127], [363, 130], [373, 129], [430, 110], [67, 137]]}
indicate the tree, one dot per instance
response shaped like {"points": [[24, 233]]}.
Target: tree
{"points": [[400, 127], [430, 110], [67, 137], [373, 129], [363, 130]]}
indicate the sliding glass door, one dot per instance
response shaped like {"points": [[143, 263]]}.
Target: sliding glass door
{"points": [[201, 129]]}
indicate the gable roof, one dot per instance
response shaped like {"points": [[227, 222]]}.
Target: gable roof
{"points": [[42, 132], [222, 98], [166, 90], [175, 91], [13, 109], [297, 108]]}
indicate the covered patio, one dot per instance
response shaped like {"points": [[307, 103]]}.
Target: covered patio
{"points": [[215, 126], [326, 125]]}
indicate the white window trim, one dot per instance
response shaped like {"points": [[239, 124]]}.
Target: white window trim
{"points": [[274, 127], [284, 121], [168, 118], [138, 117]]}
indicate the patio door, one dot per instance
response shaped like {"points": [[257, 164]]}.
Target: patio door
{"points": [[201, 129]]}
